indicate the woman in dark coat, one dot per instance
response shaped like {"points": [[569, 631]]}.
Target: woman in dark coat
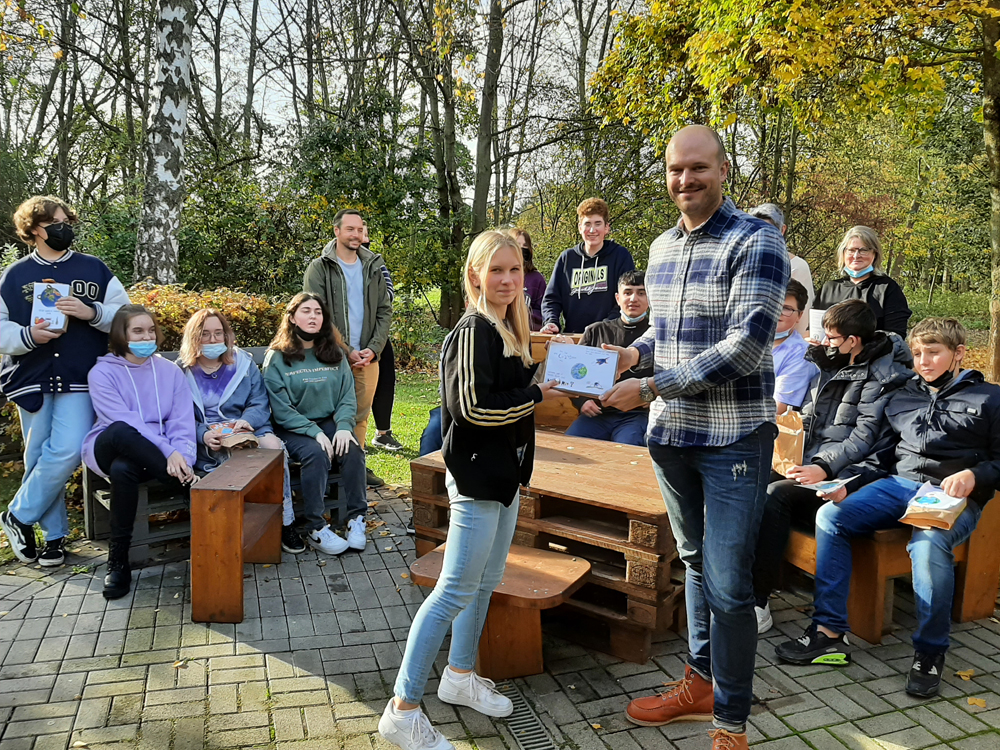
{"points": [[859, 257]]}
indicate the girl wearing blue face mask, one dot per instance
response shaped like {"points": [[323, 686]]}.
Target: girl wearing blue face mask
{"points": [[859, 256], [227, 387], [145, 428]]}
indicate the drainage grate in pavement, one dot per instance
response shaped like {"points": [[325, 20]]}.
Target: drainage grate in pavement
{"points": [[524, 724]]}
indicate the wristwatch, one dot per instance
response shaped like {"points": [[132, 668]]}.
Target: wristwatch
{"points": [[645, 392]]}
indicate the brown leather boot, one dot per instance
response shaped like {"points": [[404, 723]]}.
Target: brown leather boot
{"points": [[723, 739], [689, 699]]}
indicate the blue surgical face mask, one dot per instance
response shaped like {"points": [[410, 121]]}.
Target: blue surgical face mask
{"points": [[782, 335], [214, 351], [142, 348], [858, 274], [627, 319]]}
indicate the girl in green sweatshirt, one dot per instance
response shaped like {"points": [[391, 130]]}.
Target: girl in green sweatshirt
{"points": [[311, 389]]}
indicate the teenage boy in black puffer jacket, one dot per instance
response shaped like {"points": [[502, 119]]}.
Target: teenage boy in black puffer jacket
{"points": [[859, 369], [942, 427]]}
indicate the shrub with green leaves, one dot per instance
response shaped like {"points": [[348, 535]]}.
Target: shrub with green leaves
{"points": [[254, 318]]}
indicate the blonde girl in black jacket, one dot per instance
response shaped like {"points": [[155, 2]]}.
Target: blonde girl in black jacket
{"points": [[488, 421]]}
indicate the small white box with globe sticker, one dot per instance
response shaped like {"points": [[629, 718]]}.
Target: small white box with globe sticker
{"points": [[581, 370]]}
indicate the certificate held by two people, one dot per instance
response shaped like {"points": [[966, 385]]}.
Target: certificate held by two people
{"points": [[581, 370]]}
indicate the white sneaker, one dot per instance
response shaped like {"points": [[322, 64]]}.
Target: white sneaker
{"points": [[475, 692], [356, 536], [764, 620], [326, 541], [410, 730]]}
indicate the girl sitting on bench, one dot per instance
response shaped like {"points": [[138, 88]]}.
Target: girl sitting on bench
{"points": [[489, 444], [227, 387], [145, 428], [309, 382]]}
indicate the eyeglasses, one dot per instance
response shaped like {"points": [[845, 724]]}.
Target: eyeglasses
{"points": [[786, 310], [830, 340], [859, 252], [210, 336]]}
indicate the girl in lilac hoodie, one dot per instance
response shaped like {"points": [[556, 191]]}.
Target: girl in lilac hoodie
{"points": [[145, 428]]}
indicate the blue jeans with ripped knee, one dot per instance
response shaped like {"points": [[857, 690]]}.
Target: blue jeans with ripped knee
{"points": [[479, 536]]}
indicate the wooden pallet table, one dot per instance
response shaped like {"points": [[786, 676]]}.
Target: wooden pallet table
{"points": [[592, 499]]}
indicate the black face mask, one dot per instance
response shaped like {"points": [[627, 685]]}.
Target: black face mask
{"points": [[60, 236], [942, 380], [305, 335]]}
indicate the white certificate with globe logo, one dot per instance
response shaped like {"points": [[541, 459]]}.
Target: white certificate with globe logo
{"points": [[581, 370]]}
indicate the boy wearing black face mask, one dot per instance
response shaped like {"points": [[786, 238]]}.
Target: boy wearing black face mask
{"points": [[859, 369], [942, 427], [45, 372]]}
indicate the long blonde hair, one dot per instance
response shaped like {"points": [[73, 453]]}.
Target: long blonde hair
{"points": [[515, 329]]}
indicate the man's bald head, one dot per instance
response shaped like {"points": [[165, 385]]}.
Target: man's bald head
{"points": [[695, 134], [696, 169]]}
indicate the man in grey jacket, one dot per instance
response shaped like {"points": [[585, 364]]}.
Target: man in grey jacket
{"points": [[349, 280]]}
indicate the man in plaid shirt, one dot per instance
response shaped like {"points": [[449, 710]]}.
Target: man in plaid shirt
{"points": [[716, 283]]}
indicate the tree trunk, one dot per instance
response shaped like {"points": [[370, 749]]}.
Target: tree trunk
{"points": [[156, 254], [484, 139], [991, 137], [251, 73]]}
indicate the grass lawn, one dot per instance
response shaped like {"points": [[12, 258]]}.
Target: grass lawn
{"points": [[416, 395]]}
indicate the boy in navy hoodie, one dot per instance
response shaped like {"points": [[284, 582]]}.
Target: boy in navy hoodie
{"points": [[45, 372], [942, 427], [582, 287]]}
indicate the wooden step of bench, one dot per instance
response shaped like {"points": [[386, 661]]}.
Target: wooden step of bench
{"points": [[511, 642], [235, 518]]}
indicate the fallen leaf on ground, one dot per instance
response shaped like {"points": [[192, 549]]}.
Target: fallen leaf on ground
{"points": [[977, 702], [373, 503], [404, 575], [596, 726], [388, 549], [80, 743], [177, 596], [571, 687], [965, 674], [268, 565], [181, 663], [321, 563]]}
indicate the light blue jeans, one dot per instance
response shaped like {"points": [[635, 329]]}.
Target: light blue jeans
{"points": [[479, 536], [875, 506], [53, 436]]}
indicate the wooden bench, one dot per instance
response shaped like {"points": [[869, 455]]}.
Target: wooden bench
{"points": [[534, 579], [235, 519], [880, 557]]}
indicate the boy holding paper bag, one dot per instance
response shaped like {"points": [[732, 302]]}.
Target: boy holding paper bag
{"points": [[858, 369], [942, 427]]}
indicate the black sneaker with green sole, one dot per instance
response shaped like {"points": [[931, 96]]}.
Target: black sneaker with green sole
{"points": [[815, 647]]}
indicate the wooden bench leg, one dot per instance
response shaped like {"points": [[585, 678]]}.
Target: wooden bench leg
{"points": [[511, 644], [977, 578], [866, 603], [216, 556]]}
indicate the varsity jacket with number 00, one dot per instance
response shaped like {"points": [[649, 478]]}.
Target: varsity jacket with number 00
{"points": [[28, 369], [488, 414]]}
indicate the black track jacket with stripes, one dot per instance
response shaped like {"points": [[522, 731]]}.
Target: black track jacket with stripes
{"points": [[488, 412]]}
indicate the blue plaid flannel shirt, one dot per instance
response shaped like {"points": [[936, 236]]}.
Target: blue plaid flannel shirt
{"points": [[715, 295]]}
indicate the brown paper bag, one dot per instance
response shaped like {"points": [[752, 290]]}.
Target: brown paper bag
{"points": [[789, 444]]}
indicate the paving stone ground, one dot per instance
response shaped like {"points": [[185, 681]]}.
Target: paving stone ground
{"points": [[313, 663]]}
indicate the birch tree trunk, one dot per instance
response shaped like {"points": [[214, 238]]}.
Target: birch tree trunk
{"points": [[157, 247]]}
